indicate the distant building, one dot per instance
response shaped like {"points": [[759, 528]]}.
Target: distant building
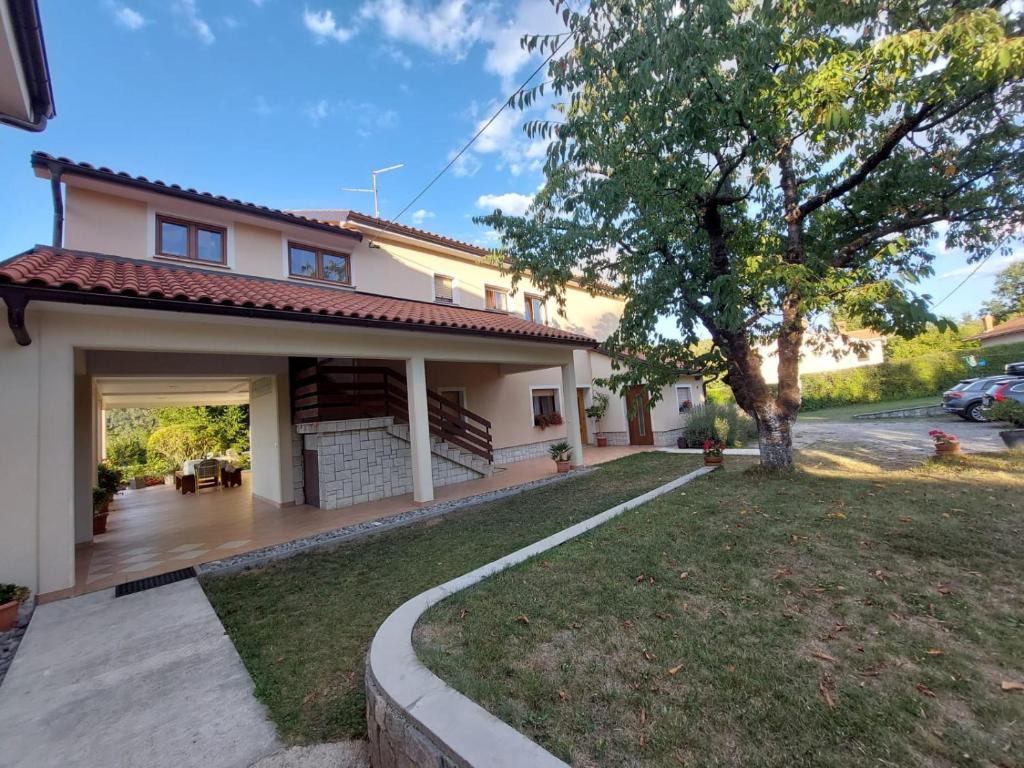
{"points": [[828, 353], [26, 97], [1010, 332]]}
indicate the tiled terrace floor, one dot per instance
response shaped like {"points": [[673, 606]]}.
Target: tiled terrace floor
{"points": [[155, 530]]}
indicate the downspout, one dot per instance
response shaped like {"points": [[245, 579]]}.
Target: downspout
{"points": [[16, 304], [58, 206]]}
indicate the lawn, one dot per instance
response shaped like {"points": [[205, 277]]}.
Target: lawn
{"points": [[847, 412], [303, 626], [841, 616]]}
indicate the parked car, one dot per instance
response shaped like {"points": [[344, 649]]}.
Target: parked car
{"points": [[1011, 389], [966, 399]]}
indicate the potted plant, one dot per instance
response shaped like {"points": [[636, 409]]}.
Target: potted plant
{"points": [[561, 453], [11, 596], [596, 411], [945, 443], [1010, 412], [100, 509], [713, 452], [547, 420]]}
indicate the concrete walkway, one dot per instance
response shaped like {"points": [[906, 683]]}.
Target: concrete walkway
{"points": [[148, 680]]}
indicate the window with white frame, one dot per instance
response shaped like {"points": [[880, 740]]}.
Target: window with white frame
{"points": [[444, 289], [535, 311], [546, 411], [496, 298], [684, 397]]}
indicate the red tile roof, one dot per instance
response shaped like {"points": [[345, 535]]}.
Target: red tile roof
{"points": [[102, 173], [1013, 325], [79, 276]]}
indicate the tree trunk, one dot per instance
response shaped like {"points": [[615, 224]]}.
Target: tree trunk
{"points": [[775, 439]]}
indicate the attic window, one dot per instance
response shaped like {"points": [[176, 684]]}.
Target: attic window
{"points": [[182, 239], [443, 290], [318, 264]]}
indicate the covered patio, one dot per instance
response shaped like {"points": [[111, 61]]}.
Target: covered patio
{"points": [[156, 530]]}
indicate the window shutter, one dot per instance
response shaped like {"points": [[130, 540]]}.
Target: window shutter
{"points": [[443, 289]]}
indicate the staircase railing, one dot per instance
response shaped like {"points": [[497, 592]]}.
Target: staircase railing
{"points": [[330, 391]]}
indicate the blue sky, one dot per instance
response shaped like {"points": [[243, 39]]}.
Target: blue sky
{"points": [[283, 104]]}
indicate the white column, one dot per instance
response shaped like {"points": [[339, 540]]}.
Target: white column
{"points": [[419, 430], [572, 412], [269, 441]]}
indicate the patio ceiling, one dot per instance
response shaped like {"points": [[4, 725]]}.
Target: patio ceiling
{"points": [[163, 391]]}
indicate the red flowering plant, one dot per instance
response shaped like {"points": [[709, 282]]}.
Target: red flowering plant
{"points": [[713, 447], [943, 438]]}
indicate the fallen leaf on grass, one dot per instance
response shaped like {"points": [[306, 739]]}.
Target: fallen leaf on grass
{"points": [[523, 619], [782, 572], [823, 656], [684, 574], [935, 652], [925, 690], [827, 689], [1011, 685], [675, 669], [730, 667], [463, 613], [562, 695], [662, 615], [905, 519], [944, 590], [649, 656]]}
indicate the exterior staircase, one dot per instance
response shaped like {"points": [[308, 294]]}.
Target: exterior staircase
{"points": [[445, 450]]}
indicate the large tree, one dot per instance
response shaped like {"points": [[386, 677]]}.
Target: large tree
{"points": [[1008, 295], [751, 167]]}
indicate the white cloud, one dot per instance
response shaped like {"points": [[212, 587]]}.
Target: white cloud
{"points": [[449, 28], [466, 165], [511, 203], [318, 110], [420, 216], [262, 107], [990, 267], [189, 12], [127, 17], [505, 56], [324, 27], [367, 118]]}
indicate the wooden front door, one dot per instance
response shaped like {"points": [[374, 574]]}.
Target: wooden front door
{"points": [[638, 411], [311, 477], [581, 404]]}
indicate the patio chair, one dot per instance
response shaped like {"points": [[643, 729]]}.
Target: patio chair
{"points": [[207, 473]]}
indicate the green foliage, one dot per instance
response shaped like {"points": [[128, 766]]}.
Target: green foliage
{"points": [[902, 379], [598, 407], [12, 592], [561, 451], [124, 421], [720, 423], [1009, 411], [1008, 295], [221, 426], [169, 446], [100, 498], [127, 448], [719, 392], [931, 340], [109, 478]]}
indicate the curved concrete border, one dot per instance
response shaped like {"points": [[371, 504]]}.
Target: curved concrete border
{"points": [[415, 718]]}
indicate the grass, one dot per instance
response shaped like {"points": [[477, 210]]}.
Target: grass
{"points": [[303, 626], [840, 616], [847, 412]]}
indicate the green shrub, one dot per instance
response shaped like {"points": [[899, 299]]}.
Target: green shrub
{"points": [[127, 449], [902, 379], [108, 478], [725, 423], [1009, 411], [12, 592], [169, 446]]}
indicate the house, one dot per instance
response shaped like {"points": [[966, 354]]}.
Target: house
{"points": [[1008, 332], [377, 359], [26, 96], [828, 352]]}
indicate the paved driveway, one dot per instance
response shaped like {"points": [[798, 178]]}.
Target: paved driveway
{"points": [[902, 441]]}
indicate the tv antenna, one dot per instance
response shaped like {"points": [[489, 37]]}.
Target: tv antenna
{"points": [[373, 190]]}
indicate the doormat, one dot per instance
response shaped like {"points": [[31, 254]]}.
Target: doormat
{"points": [[141, 585]]}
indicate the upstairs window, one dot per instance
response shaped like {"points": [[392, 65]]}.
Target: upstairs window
{"points": [[443, 290], [684, 398], [182, 239], [497, 298], [535, 312], [318, 264]]}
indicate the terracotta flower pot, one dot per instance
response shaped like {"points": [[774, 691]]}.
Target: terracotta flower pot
{"points": [[946, 449], [8, 615], [563, 466], [712, 461], [602, 442], [99, 523]]}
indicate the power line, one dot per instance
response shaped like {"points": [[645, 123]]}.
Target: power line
{"points": [[961, 283], [477, 135]]}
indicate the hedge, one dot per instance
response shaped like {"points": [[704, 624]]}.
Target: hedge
{"points": [[903, 379]]}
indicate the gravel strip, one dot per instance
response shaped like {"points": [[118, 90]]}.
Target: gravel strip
{"points": [[10, 640]]}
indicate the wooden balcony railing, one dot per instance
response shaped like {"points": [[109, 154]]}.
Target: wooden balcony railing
{"points": [[329, 391]]}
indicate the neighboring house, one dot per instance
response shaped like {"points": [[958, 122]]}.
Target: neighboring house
{"points": [[828, 353], [1009, 332], [26, 96], [376, 359]]}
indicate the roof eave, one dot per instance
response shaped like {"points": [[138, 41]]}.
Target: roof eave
{"points": [[28, 34]]}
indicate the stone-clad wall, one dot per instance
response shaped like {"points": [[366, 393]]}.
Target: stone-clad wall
{"points": [[298, 477], [668, 438], [360, 461], [516, 453]]}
